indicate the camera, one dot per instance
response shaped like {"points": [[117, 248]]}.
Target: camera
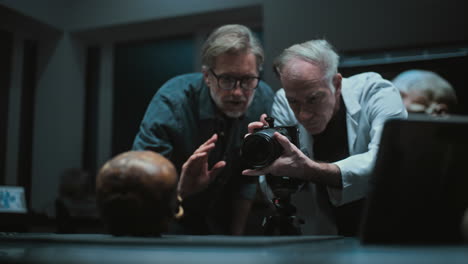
{"points": [[260, 149]]}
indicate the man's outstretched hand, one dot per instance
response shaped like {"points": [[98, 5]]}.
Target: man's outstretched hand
{"points": [[195, 175]]}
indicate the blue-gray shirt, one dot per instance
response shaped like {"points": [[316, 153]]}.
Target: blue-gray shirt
{"points": [[181, 117]]}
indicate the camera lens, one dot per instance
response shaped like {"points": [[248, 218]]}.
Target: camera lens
{"points": [[260, 149]]}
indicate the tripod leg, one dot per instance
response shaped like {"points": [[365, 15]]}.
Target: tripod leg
{"points": [[271, 226]]}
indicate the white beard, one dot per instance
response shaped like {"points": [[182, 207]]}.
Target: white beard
{"points": [[220, 105]]}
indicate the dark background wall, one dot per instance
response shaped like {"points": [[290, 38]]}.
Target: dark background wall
{"points": [[6, 48], [139, 70], [363, 26]]}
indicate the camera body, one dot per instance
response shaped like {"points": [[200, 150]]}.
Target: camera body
{"points": [[260, 149]]}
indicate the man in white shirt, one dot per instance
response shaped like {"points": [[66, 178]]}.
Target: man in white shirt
{"points": [[340, 121]]}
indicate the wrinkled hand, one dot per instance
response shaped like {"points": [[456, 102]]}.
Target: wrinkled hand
{"points": [[292, 163], [195, 175]]}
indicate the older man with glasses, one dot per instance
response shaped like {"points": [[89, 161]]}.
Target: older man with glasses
{"points": [[198, 121]]}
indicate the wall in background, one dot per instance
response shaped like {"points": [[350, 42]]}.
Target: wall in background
{"points": [[139, 70], [6, 51], [363, 25], [79, 15]]}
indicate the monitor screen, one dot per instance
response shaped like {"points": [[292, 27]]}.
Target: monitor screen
{"points": [[12, 199]]}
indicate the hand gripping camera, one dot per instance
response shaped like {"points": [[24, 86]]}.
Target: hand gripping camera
{"points": [[260, 149]]}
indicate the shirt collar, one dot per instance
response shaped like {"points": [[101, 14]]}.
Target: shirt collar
{"points": [[352, 104]]}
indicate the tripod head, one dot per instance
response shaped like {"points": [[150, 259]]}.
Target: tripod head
{"points": [[284, 221]]}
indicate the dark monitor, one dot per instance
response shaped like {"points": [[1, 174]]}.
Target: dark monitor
{"points": [[419, 188]]}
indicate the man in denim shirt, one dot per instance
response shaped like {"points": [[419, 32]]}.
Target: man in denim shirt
{"points": [[198, 121]]}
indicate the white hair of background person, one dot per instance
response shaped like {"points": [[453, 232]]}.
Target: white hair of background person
{"points": [[427, 83]]}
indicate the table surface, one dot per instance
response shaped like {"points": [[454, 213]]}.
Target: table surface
{"points": [[98, 248]]}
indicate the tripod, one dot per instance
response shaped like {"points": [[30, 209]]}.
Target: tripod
{"points": [[284, 222]]}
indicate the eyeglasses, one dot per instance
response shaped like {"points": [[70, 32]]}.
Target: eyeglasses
{"points": [[227, 82]]}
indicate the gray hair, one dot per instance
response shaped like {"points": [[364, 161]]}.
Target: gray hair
{"points": [[428, 82], [318, 52], [231, 39]]}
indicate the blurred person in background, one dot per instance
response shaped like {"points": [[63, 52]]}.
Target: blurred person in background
{"points": [[426, 92]]}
